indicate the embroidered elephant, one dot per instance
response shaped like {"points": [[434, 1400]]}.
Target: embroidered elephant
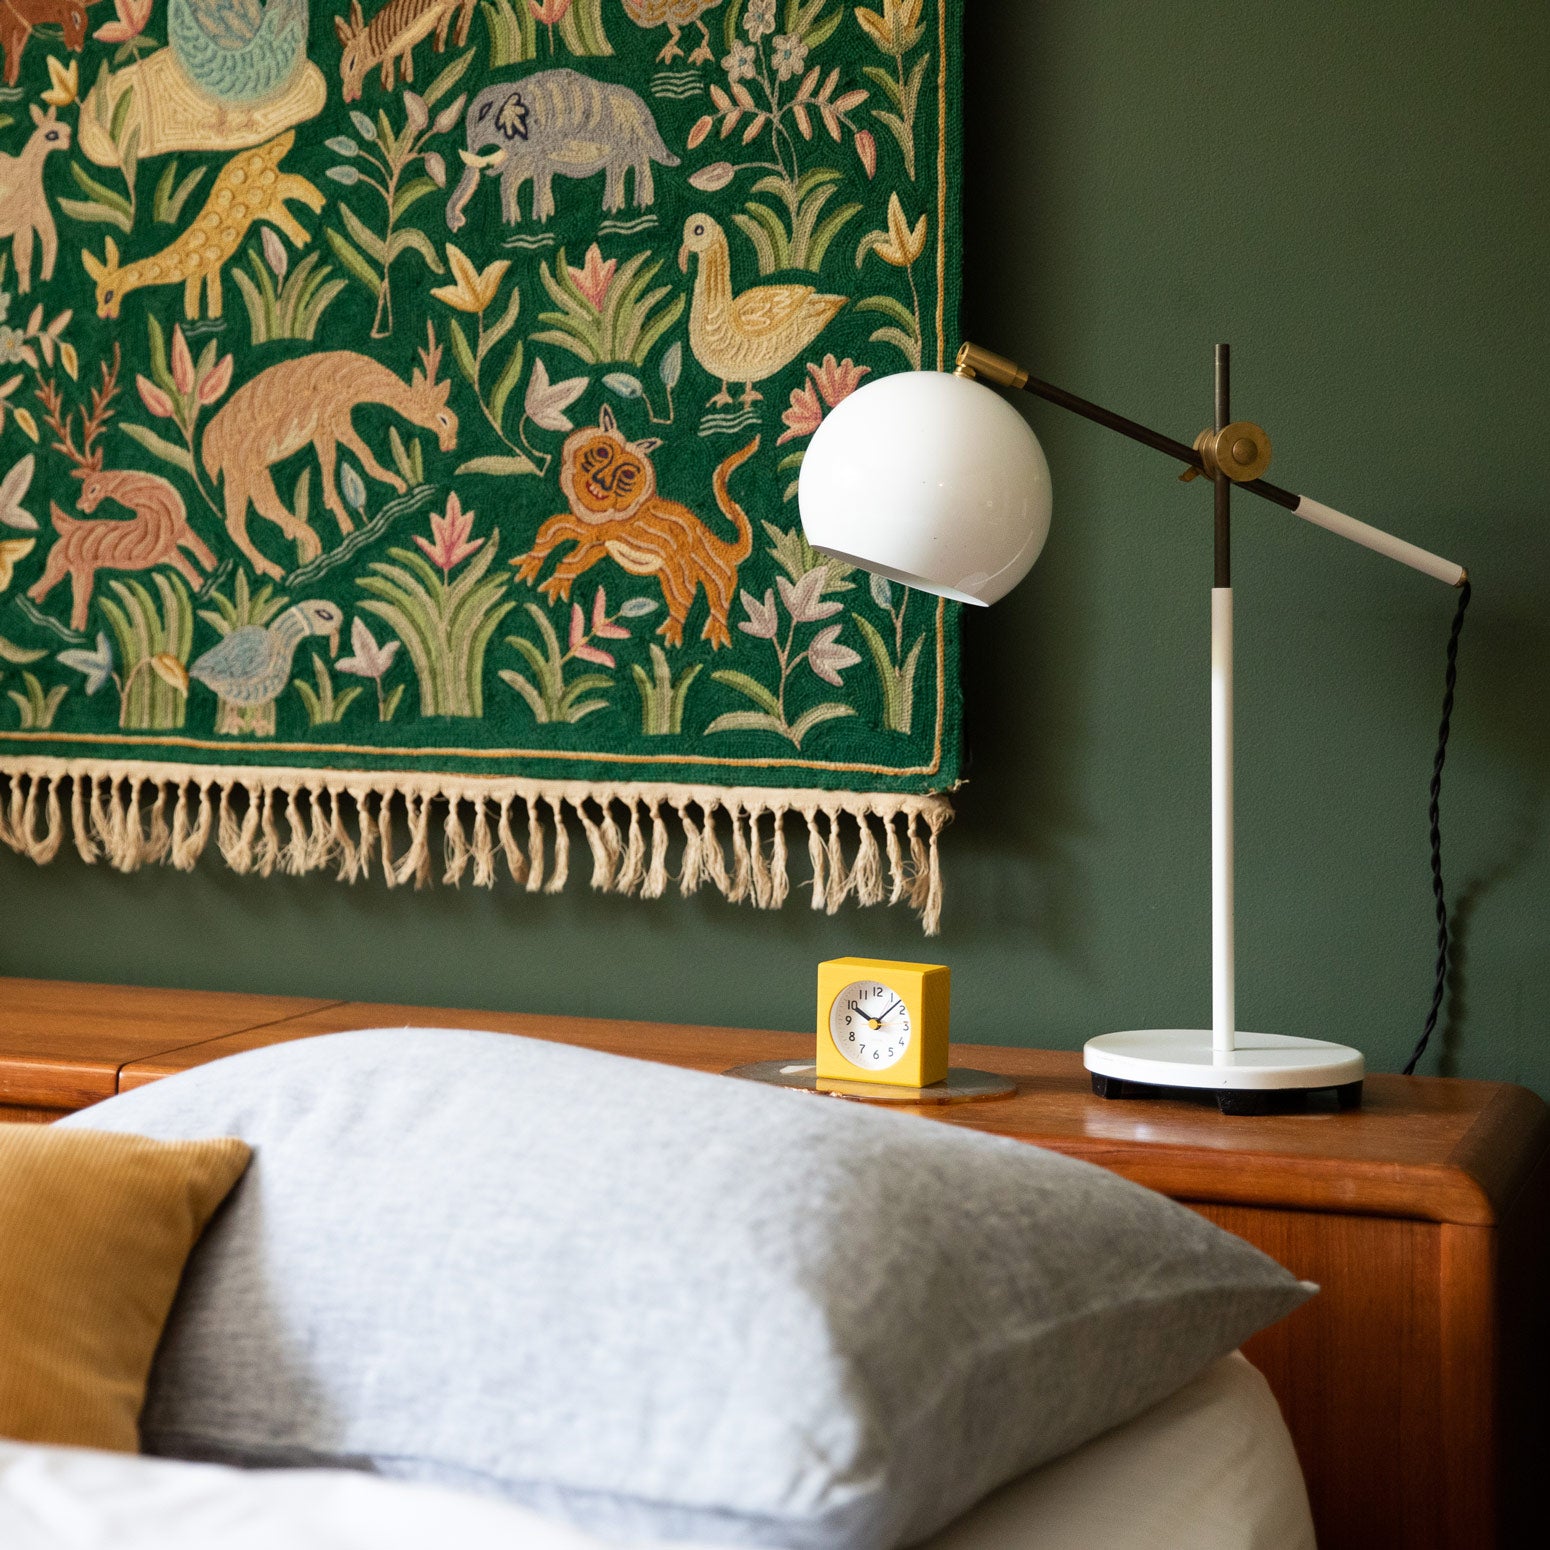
{"points": [[557, 122]]}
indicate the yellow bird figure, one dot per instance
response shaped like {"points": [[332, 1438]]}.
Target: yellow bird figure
{"points": [[675, 15], [750, 336]]}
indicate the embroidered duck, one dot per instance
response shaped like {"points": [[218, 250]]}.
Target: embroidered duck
{"points": [[252, 665], [747, 337], [240, 52]]}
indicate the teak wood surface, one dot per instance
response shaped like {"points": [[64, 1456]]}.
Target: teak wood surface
{"points": [[1408, 1384]]}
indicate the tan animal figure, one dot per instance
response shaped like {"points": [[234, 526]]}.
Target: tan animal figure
{"points": [[156, 533], [675, 15], [24, 211], [389, 38], [310, 400], [616, 513], [753, 334], [250, 187]]}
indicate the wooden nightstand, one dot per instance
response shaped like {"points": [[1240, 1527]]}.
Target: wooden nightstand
{"points": [[1408, 1383]]}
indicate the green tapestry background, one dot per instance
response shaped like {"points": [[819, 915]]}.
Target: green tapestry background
{"points": [[178, 559]]}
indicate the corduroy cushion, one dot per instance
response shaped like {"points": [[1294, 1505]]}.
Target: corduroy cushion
{"points": [[94, 1231]]}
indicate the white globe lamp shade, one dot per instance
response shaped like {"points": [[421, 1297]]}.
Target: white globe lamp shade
{"points": [[929, 479]]}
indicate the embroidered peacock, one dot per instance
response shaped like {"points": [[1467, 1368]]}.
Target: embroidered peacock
{"points": [[252, 665], [241, 52]]}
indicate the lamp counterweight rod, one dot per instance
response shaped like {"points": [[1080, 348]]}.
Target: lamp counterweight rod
{"points": [[1224, 1012], [1008, 374]]}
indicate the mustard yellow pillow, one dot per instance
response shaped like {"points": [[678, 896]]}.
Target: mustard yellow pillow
{"points": [[94, 1230]]}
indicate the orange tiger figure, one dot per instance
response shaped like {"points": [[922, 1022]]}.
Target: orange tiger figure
{"points": [[615, 511]]}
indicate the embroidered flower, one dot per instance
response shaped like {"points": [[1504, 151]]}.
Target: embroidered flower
{"points": [[762, 621], [97, 665], [739, 64], [601, 623], [788, 53], [474, 289], [837, 379], [449, 544], [804, 416], [832, 380], [804, 601], [901, 244], [12, 550], [897, 29], [759, 19], [132, 17], [13, 347], [594, 277], [827, 657], [548, 12], [368, 659], [64, 83]]}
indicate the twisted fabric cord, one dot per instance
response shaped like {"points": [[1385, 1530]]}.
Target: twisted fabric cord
{"points": [[1441, 983]]}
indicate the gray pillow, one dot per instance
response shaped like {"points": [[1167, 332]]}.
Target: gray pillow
{"points": [[661, 1303]]}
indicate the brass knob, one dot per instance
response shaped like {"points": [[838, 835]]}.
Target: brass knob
{"points": [[1240, 450]]}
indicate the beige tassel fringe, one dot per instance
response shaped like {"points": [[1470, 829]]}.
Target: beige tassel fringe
{"points": [[863, 847]]}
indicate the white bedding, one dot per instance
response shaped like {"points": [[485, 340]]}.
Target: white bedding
{"points": [[1212, 1468]]}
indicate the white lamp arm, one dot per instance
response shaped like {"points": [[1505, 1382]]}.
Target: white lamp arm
{"points": [[1384, 543], [975, 361]]}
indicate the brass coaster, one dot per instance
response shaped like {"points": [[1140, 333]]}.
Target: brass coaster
{"points": [[961, 1085]]}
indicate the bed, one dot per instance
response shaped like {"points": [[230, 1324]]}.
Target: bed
{"points": [[1211, 1468], [544, 1295]]}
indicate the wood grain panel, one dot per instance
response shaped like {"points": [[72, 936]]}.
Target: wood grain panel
{"points": [[62, 1045], [1356, 1373], [12, 1115]]}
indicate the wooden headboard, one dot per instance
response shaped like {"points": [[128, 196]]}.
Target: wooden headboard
{"points": [[1408, 1384]]}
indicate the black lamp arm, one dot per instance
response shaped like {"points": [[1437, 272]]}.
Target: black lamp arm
{"points": [[973, 361]]}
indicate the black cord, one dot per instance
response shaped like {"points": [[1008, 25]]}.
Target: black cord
{"points": [[1441, 984]]}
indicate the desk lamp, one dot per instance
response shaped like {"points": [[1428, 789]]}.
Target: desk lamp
{"points": [[935, 481]]}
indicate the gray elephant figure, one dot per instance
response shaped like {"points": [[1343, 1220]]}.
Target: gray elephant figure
{"points": [[557, 122]]}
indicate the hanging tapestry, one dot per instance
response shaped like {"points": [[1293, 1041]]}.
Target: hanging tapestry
{"points": [[401, 410]]}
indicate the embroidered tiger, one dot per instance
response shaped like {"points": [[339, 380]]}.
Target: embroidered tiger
{"points": [[615, 511]]}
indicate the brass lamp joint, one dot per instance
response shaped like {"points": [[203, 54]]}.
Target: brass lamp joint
{"points": [[974, 361], [1240, 450]]}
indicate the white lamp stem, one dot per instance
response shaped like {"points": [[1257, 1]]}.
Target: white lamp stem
{"points": [[1223, 980]]}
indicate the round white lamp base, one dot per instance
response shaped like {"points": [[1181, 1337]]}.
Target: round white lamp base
{"points": [[1253, 1078]]}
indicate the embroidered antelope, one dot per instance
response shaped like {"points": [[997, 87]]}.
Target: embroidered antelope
{"points": [[24, 211], [154, 535], [19, 17], [389, 38], [250, 187], [311, 400]]}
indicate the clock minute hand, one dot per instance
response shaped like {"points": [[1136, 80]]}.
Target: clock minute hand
{"points": [[883, 1017]]}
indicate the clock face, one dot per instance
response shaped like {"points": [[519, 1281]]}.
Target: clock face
{"points": [[870, 1025]]}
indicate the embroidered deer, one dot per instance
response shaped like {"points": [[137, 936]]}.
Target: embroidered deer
{"points": [[310, 400], [250, 187], [156, 533], [389, 38], [24, 211], [19, 17]]}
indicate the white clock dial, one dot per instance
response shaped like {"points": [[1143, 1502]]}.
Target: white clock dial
{"points": [[870, 1025]]}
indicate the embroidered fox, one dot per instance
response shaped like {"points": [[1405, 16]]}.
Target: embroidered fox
{"points": [[310, 400], [250, 187]]}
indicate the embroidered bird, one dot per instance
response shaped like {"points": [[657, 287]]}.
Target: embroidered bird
{"points": [[749, 336], [675, 15], [241, 52], [252, 665]]}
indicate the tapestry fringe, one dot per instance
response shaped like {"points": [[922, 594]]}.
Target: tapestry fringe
{"points": [[872, 847]]}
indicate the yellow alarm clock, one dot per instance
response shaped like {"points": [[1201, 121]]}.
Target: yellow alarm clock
{"points": [[880, 1021]]}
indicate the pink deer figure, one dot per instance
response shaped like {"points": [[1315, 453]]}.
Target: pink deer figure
{"points": [[156, 533], [24, 211]]}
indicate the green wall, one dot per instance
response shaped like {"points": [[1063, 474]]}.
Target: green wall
{"points": [[1359, 204]]}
